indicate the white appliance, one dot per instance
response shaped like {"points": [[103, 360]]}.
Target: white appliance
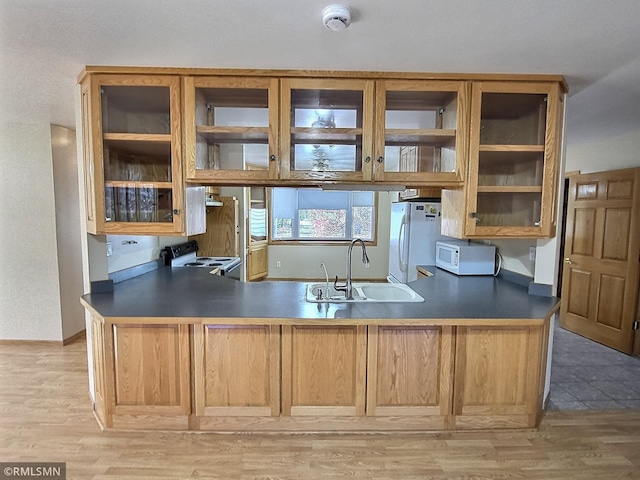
{"points": [[466, 259], [184, 255], [415, 229]]}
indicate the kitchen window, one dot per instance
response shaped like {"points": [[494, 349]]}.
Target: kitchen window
{"points": [[310, 214]]}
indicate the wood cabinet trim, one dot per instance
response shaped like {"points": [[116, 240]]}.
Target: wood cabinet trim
{"points": [[226, 72]]}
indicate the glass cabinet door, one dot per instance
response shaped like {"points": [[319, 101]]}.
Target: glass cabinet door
{"points": [[231, 124], [326, 129], [513, 153], [139, 146], [421, 130]]}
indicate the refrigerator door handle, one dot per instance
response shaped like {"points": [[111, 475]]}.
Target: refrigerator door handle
{"points": [[402, 244]]}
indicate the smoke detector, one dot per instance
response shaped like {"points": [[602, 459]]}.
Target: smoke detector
{"points": [[336, 17]]}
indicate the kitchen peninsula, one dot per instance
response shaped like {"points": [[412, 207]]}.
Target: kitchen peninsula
{"points": [[182, 349]]}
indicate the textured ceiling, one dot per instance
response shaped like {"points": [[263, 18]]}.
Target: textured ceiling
{"points": [[45, 44]]}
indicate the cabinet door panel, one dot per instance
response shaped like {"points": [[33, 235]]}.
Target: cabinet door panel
{"points": [[409, 371], [151, 369], [495, 378], [323, 370], [429, 118], [237, 370], [326, 129], [258, 262], [230, 125], [514, 149], [135, 153]]}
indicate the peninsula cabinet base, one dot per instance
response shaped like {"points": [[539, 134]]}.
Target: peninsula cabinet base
{"points": [[238, 376]]}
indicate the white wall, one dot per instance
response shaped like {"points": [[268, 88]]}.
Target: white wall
{"points": [[29, 287], [131, 250], [515, 255], [67, 208], [601, 154]]}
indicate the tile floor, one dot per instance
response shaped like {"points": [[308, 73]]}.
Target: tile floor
{"points": [[588, 375]]}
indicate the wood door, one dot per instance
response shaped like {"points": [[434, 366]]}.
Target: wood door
{"points": [[601, 255]]}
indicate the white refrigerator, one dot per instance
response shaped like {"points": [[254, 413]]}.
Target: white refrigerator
{"points": [[415, 229]]}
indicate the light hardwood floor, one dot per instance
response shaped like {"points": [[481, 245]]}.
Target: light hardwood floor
{"points": [[45, 415]]}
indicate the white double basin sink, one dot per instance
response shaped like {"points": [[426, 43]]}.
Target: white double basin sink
{"points": [[363, 292]]}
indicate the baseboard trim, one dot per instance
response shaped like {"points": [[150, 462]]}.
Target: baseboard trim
{"points": [[62, 343], [43, 343], [82, 334]]}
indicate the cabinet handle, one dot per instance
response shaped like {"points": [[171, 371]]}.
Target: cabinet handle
{"points": [[272, 158], [176, 211], [367, 159], [380, 159], [568, 261], [475, 215]]}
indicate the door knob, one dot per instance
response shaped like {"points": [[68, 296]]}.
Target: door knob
{"points": [[568, 261]]}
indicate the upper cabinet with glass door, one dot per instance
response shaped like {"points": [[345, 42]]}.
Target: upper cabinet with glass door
{"points": [[429, 119], [513, 160], [326, 130], [229, 124], [132, 147]]}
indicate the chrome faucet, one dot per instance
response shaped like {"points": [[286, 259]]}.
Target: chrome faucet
{"points": [[348, 287]]}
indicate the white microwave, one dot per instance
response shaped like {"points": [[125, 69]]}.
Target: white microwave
{"points": [[466, 259]]}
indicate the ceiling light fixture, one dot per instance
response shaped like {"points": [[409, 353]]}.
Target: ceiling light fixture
{"points": [[336, 17]]}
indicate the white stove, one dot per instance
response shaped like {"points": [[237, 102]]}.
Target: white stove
{"points": [[185, 255]]}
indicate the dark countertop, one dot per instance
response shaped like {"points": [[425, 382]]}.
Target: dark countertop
{"points": [[195, 293]]}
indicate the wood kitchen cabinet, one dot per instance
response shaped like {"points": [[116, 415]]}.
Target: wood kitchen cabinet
{"points": [[148, 374], [489, 145], [421, 131], [133, 157], [229, 124], [409, 373], [237, 370], [98, 360], [514, 151], [326, 129], [221, 238], [330, 129], [257, 262], [496, 381], [324, 370]]}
